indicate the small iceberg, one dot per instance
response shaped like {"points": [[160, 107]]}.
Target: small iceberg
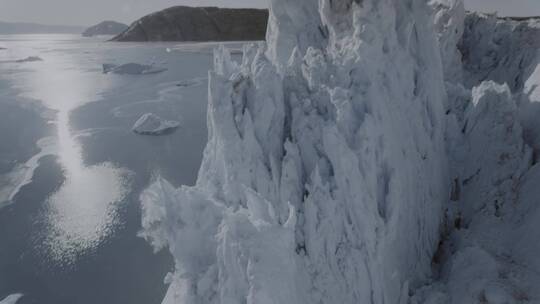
{"points": [[191, 82], [11, 299], [29, 59], [131, 69], [151, 124]]}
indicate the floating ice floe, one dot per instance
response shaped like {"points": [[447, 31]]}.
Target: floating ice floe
{"points": [[29, 59], [191, 82], [151, 124], [11, 299], [132, 69]]}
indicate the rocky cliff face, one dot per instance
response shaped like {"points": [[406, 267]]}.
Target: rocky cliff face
{"points": [[183, 23], [105, 28]]}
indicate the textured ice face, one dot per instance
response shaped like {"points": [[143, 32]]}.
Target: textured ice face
{"points": [[325, 172], [340, 147], [486, 253]]}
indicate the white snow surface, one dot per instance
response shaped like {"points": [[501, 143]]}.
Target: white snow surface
{"points": [[151, 124], [375, 151]]}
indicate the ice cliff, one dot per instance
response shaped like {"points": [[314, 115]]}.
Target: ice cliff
{"points": [[373, 151], [488, 252]]}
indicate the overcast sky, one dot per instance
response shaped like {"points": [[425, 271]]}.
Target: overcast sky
{"points": [[89, 12], [505, 7]]}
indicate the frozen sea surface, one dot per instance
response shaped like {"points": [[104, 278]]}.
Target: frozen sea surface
{"points": [[71, 170]]}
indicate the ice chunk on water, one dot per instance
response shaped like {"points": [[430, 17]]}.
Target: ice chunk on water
{"points": [[191, 82], [151, 124], [11, 299], [29, 59], [132, 69]]}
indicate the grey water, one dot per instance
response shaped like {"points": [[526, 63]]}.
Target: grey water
{"points": [[71, 170]]}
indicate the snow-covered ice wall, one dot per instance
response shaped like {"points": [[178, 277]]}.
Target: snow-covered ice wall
{"points": [[489, 249], [371, 151], [325, 172]]}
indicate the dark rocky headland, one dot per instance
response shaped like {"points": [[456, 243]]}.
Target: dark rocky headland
{"points": [[182, 23]]}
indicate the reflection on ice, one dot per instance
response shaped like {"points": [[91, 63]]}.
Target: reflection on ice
{"points": [[21, 175], [83, 212]]}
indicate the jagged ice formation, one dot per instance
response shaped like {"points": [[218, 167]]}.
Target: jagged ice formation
{"points": [[364, 154]]}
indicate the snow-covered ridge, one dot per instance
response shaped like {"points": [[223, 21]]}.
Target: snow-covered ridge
{"points": [[358, 157]]}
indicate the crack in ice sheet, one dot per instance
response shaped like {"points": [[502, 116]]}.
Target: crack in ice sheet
{"points": [[22, 175]]}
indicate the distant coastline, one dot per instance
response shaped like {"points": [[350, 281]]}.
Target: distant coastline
{"points": [[108, 27]]}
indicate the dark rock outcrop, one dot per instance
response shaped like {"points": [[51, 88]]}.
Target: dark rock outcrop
{"points": [[182, 23], [105, 28]]}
